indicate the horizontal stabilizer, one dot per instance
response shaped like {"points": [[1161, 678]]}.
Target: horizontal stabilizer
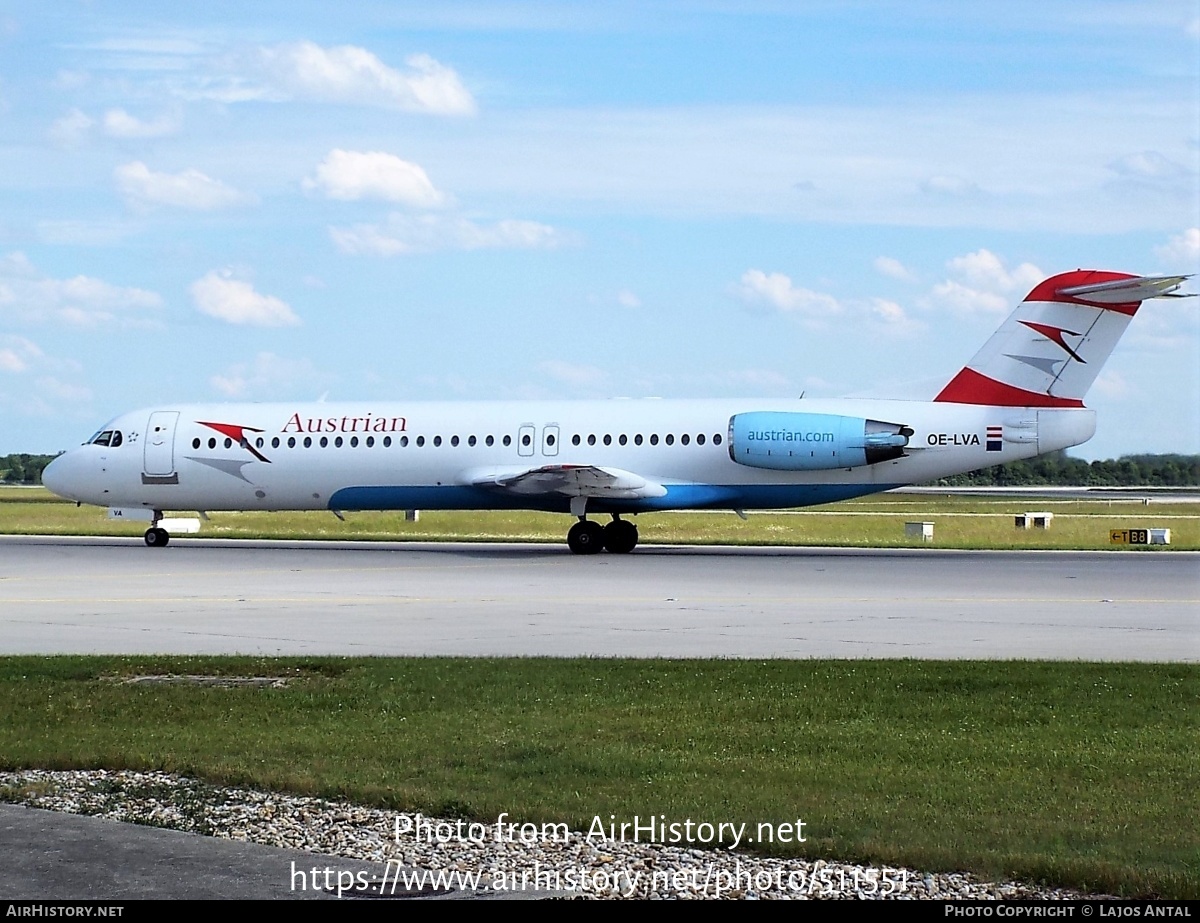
{"points": [[1124, 291]]}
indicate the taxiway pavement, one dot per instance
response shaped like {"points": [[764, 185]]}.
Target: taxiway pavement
{"points": [[104, 595]]}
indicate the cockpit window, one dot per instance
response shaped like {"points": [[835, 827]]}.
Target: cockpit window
{"points": [[109, 437]]}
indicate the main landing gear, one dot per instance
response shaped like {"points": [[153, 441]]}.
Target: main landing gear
{"points": [[586, 537]]}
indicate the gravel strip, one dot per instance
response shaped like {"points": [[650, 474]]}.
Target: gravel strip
{"points": [[571, 864]]}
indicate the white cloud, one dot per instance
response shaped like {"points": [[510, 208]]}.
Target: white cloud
{"points": [[221, 296], [72, 129], [64, 391], [571, 374], [16, 353], [1182, 249], [1149, 165], [984, 285], [952, 186], [374, 175], [963, 299], [85, 233], [120, 124], [892, 267], [191, 189], [888, 311], [269, 376], [27, 295], [775, 290], [627, 299], [761, 380], [986, 270], [349, 74], [425, 233]]}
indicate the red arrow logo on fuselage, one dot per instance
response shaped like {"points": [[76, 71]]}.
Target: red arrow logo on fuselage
{"points": [[238, 434]]}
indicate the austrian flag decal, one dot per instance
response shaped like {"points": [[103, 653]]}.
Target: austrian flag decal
{"points": [[995, 439]]}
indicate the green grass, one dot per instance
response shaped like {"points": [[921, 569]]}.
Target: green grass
{"points": [[959, 522], [1073, 774]]}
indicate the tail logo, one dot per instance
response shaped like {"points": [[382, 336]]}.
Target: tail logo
{"points": [[1055, 335]]}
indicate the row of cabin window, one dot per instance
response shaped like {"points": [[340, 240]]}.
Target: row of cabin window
{"points": [[669, 439], [526, 440]]}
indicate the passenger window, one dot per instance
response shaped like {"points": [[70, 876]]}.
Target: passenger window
{"points": [[337, 443], [308, 442], [387, 441], [420, 442], [454, 441], [324, 441], [670, 440], [575, 440], [212, 442], [353, 442], [592, 439], [654, 438], [291, 442], [700, 439], [259, 442], [525, 440], [607, 439], [508, 440], [685, 439], [275, 443], [370, 442], [471, 441], [229, 443], [624, 439], [716, 438], [491, 440], [550, 439], [437, 440], [196, 443], [637, 440]]}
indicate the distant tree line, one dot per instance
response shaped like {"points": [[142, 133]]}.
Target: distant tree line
{"points": [[1060, 470], [23, 468]]}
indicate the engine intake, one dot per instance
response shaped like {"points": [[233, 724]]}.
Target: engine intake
{"points": [[813, 441]]}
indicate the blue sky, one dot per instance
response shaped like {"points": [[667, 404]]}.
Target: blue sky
{"points": [[464, 200]]}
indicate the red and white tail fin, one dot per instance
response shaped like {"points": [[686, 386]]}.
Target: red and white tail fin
{"points": [[1051, 348]]}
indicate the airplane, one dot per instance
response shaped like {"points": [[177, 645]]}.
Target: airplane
{"points": [[1020, 396]]}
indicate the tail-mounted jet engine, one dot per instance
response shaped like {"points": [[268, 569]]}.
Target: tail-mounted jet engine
{"points": [[813, 441]]}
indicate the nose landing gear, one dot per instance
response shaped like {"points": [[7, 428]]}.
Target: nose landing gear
{"points": [[157, 537]]}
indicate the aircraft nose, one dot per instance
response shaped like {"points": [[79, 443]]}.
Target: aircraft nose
{"points": [[56, 476]]}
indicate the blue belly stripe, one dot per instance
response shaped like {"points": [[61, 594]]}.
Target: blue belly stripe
{"points": [[679, 497]]}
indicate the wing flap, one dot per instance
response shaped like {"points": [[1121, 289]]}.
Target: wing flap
{"points": [[568, 481]]}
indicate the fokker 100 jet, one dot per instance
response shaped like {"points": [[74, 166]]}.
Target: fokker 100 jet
{"points": [[1021, 395]]}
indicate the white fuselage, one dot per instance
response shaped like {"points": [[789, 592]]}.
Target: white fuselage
{"points": [[473, 455]]}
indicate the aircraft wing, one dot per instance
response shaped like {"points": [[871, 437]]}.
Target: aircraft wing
{"points": [[569, 481]]}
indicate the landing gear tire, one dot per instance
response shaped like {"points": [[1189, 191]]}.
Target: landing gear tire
{"points": [[157, 538], [586, 537], [620, 536]]}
